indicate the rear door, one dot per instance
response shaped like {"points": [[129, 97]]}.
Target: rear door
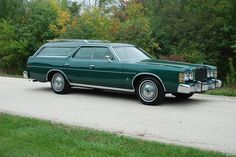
{"points": [[104, 72]]}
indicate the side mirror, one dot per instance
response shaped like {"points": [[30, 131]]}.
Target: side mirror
{"points": [[108, 58]]}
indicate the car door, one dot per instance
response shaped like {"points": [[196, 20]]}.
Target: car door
{"points": [[105, 69], [77, 66]]}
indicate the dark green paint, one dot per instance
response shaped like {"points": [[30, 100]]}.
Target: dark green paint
{"points": [[118, 74]]}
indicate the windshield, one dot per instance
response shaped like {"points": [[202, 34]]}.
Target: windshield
{"points": [[130, 53]]}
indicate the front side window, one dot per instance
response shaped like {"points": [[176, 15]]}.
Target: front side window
{"points": [[84, 53], [100, 53], [129, 53], [55, 51]]}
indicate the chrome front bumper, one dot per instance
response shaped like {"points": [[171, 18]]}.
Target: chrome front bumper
{"points": [[199, 87]]}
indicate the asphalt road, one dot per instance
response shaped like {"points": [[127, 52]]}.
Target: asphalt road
{"points": [[207, 122]]}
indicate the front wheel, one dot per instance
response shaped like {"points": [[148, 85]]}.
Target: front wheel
{"points": [[150, 91], [59, 84], [182, 95]]}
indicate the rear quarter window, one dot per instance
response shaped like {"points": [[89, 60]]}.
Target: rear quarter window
{"points": [[55, 51]]}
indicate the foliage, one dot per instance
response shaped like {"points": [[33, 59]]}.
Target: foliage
{"points": [[136, 27], [12, 52], [20, 38], [225, 91], [194, 31], [231, 76], [201, 31], [63, 18], [93, 24], [13, 9]]}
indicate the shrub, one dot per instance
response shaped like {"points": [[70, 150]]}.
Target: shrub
{"points": [[231, 76]]}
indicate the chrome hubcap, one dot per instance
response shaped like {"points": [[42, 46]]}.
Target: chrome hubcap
{"points": [[58, 82], [148, 90]]}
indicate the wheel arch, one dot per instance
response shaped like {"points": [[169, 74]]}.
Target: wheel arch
{"points": [[51, 72], [139, 76]]}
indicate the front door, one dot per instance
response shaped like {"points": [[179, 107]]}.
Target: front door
{"points": [[77, 66]]}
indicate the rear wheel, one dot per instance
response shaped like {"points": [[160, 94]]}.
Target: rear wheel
{"points": [[59, 84], [150, 91], [182, 95]]}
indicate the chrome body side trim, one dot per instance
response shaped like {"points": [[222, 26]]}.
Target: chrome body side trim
{"points": [[102, 87], [151, 75], [79, 69], [56, 70], [199, 87], [89, 86]]}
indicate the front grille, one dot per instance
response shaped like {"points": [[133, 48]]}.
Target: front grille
{"points": [[201, 74]]}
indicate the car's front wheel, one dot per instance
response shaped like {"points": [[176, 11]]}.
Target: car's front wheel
{"points": [[182, 95], [59, 84], [150, 91]]}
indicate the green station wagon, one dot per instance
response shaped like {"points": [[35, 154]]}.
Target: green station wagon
{"points": [[100, 64]]}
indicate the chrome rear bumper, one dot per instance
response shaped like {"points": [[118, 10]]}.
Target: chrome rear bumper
{"points": [[25, 75], [199, 87]]}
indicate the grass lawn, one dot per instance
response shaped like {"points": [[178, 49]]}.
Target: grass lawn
{"points": [[223, 91], [23, 137]]}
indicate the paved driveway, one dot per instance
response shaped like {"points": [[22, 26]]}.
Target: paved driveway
{"points": [[207, 122]]}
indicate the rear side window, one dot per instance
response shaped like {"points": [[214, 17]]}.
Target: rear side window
{"points": [[56, 51], [84, 53]]}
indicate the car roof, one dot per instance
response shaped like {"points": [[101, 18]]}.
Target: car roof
{"points": [[77, 44]]}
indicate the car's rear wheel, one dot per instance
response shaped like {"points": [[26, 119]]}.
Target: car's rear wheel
{"points": [[59, 84], [182, 95], [150, 91]]}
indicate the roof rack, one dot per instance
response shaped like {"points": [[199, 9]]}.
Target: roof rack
{"points": [[79, 40]]}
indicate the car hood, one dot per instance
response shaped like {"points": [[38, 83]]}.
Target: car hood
{"points": [[174, 64]]}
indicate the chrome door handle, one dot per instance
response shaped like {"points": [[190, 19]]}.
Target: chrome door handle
{"points": [[92, 66], [66, 64]]}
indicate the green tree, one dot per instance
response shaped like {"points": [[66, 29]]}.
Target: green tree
{"points": [[20, 38], [35, 26], [12, 52], [13, 9], [195, 28], [92, 24]]}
